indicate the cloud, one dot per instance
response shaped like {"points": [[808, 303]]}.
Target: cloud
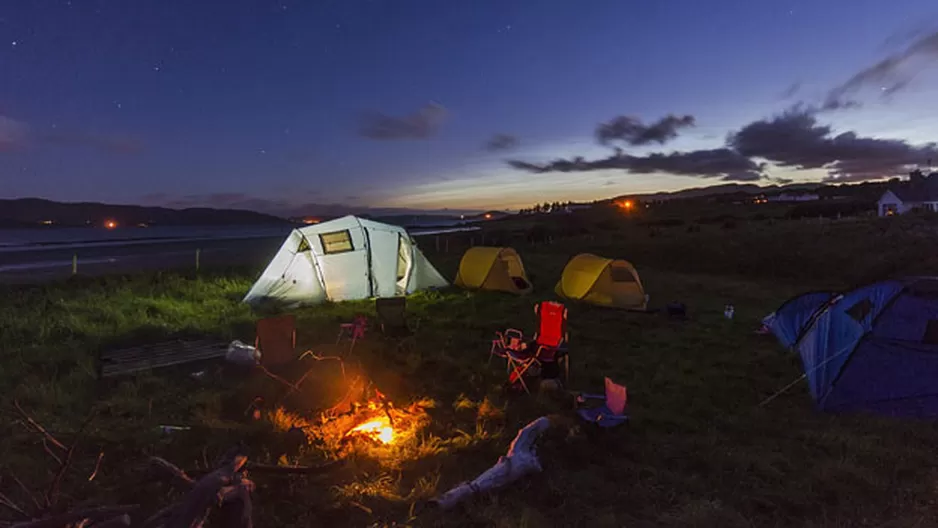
{"points": [[422, 124], [500, 142], [633, 132], [795, 139], [711, 163], [790, 92], [894, 72], [792, 139], [16, 135]]}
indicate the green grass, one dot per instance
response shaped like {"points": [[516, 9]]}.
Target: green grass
{"points": [[699, 451]]}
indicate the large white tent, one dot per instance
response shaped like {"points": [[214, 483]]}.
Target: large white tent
{"points": [[344, 259]]}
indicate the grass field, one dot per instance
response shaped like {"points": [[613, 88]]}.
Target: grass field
{"points": [[699, 451]]}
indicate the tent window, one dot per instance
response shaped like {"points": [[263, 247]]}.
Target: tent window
{"points": [[304, 246], [621, 274], [931, 333], [860, 310], [336, 242]]}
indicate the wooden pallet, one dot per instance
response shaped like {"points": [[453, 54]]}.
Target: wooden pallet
{"points": [[158, 355]]}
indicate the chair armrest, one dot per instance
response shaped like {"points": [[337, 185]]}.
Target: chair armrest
{"points": [[582, 397], [514, 332]]}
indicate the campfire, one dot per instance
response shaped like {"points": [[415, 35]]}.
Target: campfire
{"points": [[379, 430], [371, 426]]}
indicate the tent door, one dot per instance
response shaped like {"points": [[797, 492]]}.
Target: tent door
{"points": [[345, 265], [405, 261]]}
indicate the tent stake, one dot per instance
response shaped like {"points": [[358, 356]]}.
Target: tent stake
{"points": [[75, 264], [198, 252]]}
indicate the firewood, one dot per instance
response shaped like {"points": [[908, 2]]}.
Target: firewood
{"points": [[116, 522], [40, 429], [92, 514], [180, 478], [521, 460], [195, 507]]}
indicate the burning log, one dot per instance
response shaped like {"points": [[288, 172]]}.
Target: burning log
{"points": [[521, 460]]}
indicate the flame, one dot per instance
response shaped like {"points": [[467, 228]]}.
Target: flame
{"points": [[110, 224], [380, 429]]}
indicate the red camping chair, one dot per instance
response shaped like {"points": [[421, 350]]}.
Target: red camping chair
{"points": [[276, 340], [552, 337], [548, 346]]}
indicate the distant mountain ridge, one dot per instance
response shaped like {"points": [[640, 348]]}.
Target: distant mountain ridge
{"points": [[28, 212], [864, 189]]}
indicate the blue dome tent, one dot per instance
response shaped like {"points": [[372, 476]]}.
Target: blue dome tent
{"points": [[876, 349], [795, 314]]}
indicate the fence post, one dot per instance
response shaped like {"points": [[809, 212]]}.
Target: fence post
{"points": [[447, 246], [75, 264], [198, 253], [437, 238]]}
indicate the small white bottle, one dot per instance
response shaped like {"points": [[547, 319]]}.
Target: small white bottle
{"points": [[729, 311]]}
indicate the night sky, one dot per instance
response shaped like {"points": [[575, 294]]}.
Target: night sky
{"points": [[279, 105]]}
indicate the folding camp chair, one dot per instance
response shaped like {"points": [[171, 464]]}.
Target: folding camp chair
{"points": [[510, 339], [392, 318], [548, 347], [353, 331], [552, 337], [276, 340], [609, 414]]}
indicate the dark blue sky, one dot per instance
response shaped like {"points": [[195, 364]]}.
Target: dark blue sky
{"points": [[277, 104]]}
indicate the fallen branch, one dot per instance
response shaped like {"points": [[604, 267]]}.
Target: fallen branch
{"points": [[313, 355], [180, 478], [236, 508], [38, 427], [275, 377], [63, 467], [5, 501], [274, 469], [521, 460], [195, 507], [301, 470], [104, 513], [97, 466], [116, 522], [28, 493]]}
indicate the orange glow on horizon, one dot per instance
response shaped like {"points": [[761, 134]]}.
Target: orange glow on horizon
{"points": [[488, 216], [625, 205], [110, 224]]}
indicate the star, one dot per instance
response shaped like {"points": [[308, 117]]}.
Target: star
{"points": [[156, 68], [262, 151], [14, 43], [117, 104]]}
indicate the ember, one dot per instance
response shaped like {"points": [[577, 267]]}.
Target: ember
{"points": [[379, 429]]}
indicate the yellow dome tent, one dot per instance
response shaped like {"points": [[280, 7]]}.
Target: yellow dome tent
{"points": [[602, 281], [493, 268]]}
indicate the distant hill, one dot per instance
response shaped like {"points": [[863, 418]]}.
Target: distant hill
{"points": [[864, 190], [28, 212]]}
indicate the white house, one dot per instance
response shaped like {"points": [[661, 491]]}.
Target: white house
{"points": [[920, 192]]}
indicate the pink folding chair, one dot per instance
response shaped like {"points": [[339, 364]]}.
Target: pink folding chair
{"points": [[611, 412]]}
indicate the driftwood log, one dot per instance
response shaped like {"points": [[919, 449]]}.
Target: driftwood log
{"points": [[521, 460]]}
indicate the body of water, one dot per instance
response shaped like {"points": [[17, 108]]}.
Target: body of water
{"points": [[35, 255]]}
